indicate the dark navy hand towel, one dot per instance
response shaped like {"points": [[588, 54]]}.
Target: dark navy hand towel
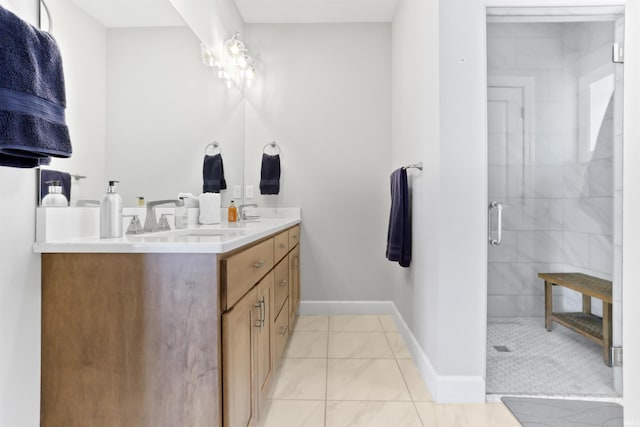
{"points": [[213, 174], [399, 234], [270, 174], [32, 95]]}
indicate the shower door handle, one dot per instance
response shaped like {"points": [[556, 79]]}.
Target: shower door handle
{"points": [[497, 206]]}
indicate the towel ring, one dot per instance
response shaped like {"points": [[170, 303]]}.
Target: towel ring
{"points": [[214, 146], [273, 145]]}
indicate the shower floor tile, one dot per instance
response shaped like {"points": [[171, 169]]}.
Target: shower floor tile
{"points": [[559, 362]]}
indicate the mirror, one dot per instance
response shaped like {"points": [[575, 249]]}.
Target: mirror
{"points": [[141, 104]]}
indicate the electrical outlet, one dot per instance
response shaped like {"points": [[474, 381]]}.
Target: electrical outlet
{"points": [[248, 191], [237, 191]]}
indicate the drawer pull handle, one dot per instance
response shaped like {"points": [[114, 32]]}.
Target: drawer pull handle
{"points": [[295, 236], [282, 245], [258, 265], [283, 330], [284, 283]]}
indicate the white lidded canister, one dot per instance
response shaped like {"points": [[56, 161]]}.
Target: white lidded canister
{"points": [[111, 212]]}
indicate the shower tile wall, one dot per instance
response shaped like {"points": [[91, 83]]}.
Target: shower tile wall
{"points": [[559, 195]]}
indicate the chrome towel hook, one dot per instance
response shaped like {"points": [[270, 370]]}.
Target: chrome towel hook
{"points": [[215, 148], [273, 145]]}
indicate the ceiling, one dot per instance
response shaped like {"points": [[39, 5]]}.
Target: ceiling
{"points": [[149, 13], [316, 11]]}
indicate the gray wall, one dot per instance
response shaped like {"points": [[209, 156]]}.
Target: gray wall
{"points": [[324, 94]]}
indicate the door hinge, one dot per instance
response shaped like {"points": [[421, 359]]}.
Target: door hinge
{"points": [[616, 357], [617, 54]]}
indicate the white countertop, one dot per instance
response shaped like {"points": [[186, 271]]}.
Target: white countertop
{"points": [[218, 238]]}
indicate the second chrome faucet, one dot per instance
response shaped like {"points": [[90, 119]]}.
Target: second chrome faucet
{"points": [[150, 222]]}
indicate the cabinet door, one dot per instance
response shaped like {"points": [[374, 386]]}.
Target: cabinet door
{"points": [[238, 362], [294, 283], [263, 337]]}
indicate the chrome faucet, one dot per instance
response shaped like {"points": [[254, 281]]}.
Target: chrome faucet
{"points": [[150, 222], [243, 215]]}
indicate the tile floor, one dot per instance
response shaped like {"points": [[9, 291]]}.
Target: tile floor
{"points": [[560, 362], [356, 371]]}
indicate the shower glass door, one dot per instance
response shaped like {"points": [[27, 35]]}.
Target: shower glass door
{"points": [[552, 192]]}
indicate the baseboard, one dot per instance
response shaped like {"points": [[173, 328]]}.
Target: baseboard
{"points": [[443, 388]]}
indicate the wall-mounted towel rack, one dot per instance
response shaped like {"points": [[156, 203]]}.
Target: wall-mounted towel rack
{"points": [[77, 176], [273, 145], [215, 147], [413, 165]]}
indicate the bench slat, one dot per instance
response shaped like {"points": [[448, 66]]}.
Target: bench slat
{"points": [[585, 284]]}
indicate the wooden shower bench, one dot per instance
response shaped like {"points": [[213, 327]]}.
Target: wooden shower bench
{"points": [[593, 327]]}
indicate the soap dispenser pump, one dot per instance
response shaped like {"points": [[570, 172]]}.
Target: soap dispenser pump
{"points": [[111, 212], [55, 196]]}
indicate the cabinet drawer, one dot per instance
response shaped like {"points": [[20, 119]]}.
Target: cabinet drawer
{"points": [[281, 288], [244, 269], [294, 236], [281, 245], [281, 332]]}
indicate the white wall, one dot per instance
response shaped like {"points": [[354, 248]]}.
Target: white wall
{"points": [[163, 107], [19, 285], [323, 93], [631, 218], [452, 299], [416, 137]]}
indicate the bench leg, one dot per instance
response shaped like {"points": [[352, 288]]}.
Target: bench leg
{"points": [[586, 304], [548, 304], [606, 333]]}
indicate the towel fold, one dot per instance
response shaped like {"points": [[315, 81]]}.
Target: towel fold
{"points": [[32, 95], [47, 175], [209, 208], [213, 174], [270, 174], [399, 233]]}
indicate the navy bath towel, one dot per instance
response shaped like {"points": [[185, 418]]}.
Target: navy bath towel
{"points": [[270, 174], [213, 174], [399, 234], [32, 96]]}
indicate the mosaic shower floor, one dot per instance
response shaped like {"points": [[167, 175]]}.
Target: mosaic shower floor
{"points": [[523, 358]]}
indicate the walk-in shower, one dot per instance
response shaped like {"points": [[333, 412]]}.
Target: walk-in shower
{"points": [[554, 96]]}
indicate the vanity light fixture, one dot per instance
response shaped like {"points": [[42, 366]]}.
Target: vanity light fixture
{"points": [[236, 66]]}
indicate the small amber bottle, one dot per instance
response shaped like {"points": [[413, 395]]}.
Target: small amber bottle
{"points": [[232, 212]]}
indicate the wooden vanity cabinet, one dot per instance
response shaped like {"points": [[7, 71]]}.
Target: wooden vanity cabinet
{"points": [[246, 355], [165, 339]]}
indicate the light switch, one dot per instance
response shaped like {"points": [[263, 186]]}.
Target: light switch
{"points": [[248, 191], [237, 191]]}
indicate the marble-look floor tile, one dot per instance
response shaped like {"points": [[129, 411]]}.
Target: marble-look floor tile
{"points": [[372, 414], [359, 345], [365, 379], [398, 346], [388, 324], [476, 415], [427, 412], [357, 323], [301, 379], [294, 413], [304, 344], [312, 323], [412, 377]]}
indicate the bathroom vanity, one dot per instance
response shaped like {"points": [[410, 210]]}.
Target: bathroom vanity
{"points": [[182, 328]]}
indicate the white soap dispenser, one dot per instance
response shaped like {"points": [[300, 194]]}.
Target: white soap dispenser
{"points": [[55, 196], [111, 212]]}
